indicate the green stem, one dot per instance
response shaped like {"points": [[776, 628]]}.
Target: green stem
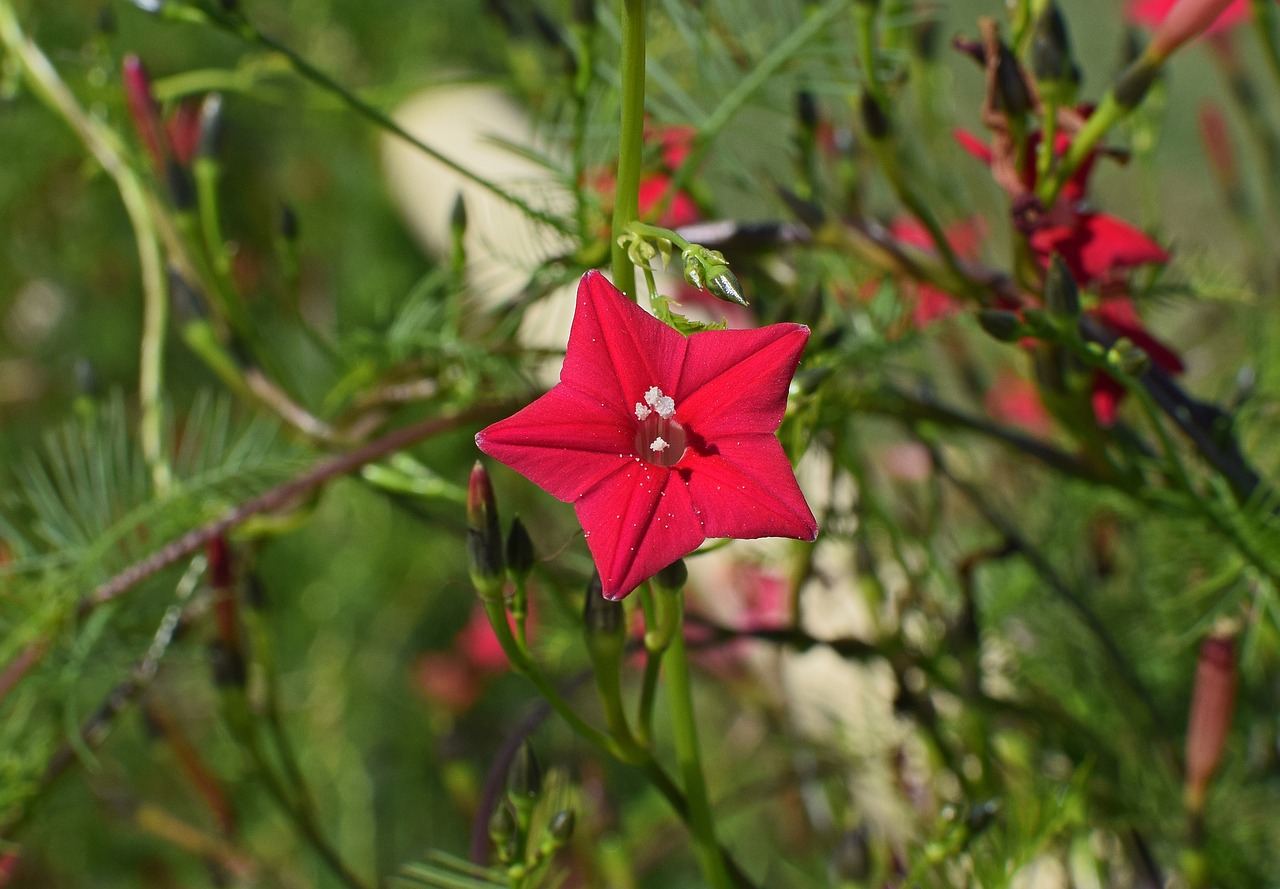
{"points": [[685, 731], [107, 150], [626, 201]]}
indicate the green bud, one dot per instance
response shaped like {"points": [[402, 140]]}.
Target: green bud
{"points": [[524, 777], [1061, 295], [723, 285], [520, 552], [561, 827], [673, 577], [458, 217], [504, 832], [1011, 88], [1130, 359], [484, 536], [1051, 49], [1003, 325], [603, 618]]}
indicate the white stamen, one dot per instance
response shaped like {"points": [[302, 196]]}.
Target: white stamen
{"points": [[642, 412], [665, 405], [658, 445]]}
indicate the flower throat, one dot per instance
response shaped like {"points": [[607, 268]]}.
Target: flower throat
{"points": [[660, 440]]}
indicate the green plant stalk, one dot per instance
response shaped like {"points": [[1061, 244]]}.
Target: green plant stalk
{"points": [[864, 18], [626, 201], [102, 143], [685, 732]]}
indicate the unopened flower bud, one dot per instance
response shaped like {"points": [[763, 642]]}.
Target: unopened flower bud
{"points": [[1213, 699], [503, 830], [458, 216], [524, 777], [182, 188], [143, 108], [673, 577], [520, 552], [484, 536], [874, 121], [182, 128], [1051, 60], [287, 223], [1001, 324], [807, 110], [1186, 20], [1130, 359], [561, 827], [221, 570], [603, 618], [1061, 295], [228, 665], [723, 285], [1012, 94]]}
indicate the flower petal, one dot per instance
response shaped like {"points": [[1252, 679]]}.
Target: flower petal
{"points": [[747, 489], [565, 442], [638, 521], [617, 350], [735, 381], [1096, 245]]}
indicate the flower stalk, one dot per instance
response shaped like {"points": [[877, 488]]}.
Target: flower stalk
{"points": [[626, 205]]}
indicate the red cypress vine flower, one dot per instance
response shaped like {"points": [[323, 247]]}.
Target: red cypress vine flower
{"points": [[1152, 13], [660, 440]]}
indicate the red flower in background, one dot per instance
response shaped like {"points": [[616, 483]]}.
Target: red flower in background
{"points": [[656, 202], [660, 440], [929, 303], [1097, 247], [1153, 12], [455, 678]]}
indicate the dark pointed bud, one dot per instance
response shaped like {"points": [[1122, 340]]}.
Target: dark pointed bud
{"points": [[287, 223], [484, 536], [604, 618], [524, 778], [1061, 296], [1213, 699], [561, 827], [182, 188], [1132, 86], [211, 126], [1130, 359], [503, 828], [255, 592], [228, 665], [143, 109], [520, 552], [723, 285], [458, 218], [584, 12], [1051, 48], [874, 121], [673, 577], [851, 860], [221, 571], [1003, 325], [807, 110], [106, 25], [1012, 95], [86, 376]]}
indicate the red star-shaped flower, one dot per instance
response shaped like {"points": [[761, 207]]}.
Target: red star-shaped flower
{"points": [[660, 440]]}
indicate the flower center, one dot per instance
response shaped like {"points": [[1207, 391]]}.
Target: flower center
{"points": [[660, 440]]}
